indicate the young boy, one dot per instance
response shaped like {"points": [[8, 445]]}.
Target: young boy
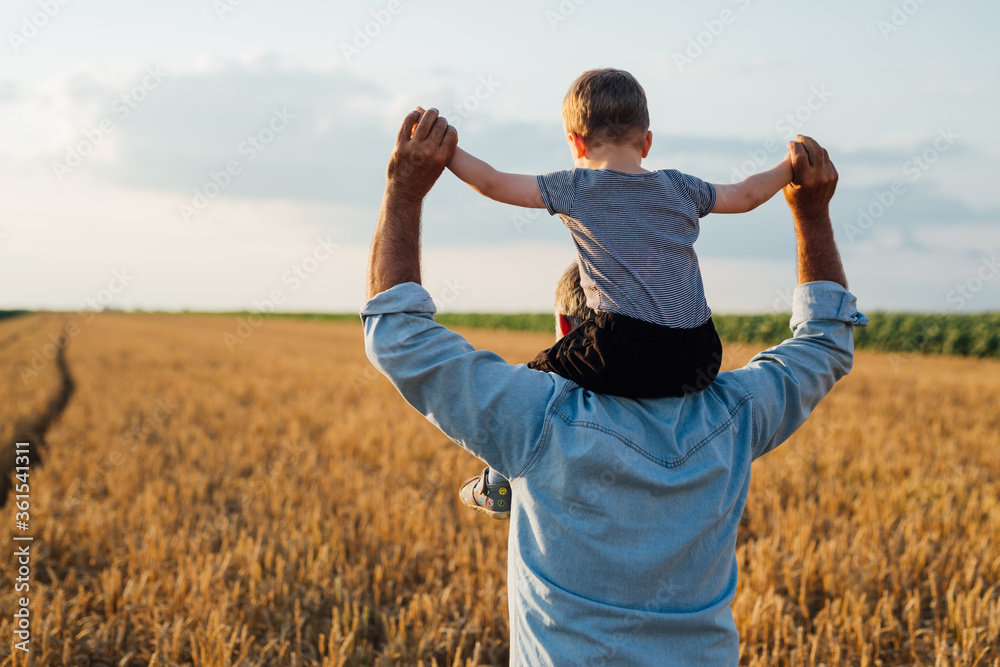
{"points": [[634, 232]]}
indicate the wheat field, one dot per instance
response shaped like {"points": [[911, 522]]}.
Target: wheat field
{"points": [[279, 504]]}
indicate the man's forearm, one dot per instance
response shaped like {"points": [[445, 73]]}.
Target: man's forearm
{"points": [[395, 251], [818, 257]]}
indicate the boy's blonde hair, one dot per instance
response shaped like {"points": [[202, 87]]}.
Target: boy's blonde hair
{"points": [[570, 298], [606, 105]]}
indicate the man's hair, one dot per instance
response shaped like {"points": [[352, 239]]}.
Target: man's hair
{"points": [[570, 299], [606, 105]]}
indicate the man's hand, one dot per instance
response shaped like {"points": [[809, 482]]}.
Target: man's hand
{"points": [[814, 180], [424, 147]]}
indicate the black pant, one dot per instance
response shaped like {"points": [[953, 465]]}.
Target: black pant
{"points": [[622, 356]]}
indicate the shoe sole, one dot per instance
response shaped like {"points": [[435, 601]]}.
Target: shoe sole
{"points": [[496, 516]]}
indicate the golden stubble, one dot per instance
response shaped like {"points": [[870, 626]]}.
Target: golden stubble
{"points": [[280, 504]]}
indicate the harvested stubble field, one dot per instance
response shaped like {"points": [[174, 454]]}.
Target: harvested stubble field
{"points": [[281, 505]]}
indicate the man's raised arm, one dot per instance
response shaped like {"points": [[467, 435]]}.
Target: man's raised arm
{"points": [[491, 408], [789, 380], [814, 180], [423, 149]]}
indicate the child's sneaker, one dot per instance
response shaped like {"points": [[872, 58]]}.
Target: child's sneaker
{"points": [[491, 499]]}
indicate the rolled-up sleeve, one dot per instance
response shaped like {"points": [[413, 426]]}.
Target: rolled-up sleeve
{"points": [[493, 409], [788, 381]]}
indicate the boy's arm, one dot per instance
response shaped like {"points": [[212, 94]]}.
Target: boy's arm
{"points": [[754, 190], [514, 189]]}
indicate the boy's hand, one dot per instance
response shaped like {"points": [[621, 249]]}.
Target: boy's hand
{"points": [[814, 179], [424, 146]]}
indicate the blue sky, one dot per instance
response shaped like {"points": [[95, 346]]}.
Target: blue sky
{"points": [[226, 154]]}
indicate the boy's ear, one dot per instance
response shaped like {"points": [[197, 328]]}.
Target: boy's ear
{"points": [[565, 326], [577, 145], [647, 143]]}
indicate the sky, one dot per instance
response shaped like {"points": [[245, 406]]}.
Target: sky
{"points": [[230, 154]]}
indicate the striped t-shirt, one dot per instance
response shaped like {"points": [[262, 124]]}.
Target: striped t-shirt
{"points": [[634, 237]]}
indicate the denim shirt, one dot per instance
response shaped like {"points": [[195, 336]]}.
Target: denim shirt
{"points": [[624, 516]]}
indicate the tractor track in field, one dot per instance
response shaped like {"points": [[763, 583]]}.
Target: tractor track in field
{"points": [[33, 429]]}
